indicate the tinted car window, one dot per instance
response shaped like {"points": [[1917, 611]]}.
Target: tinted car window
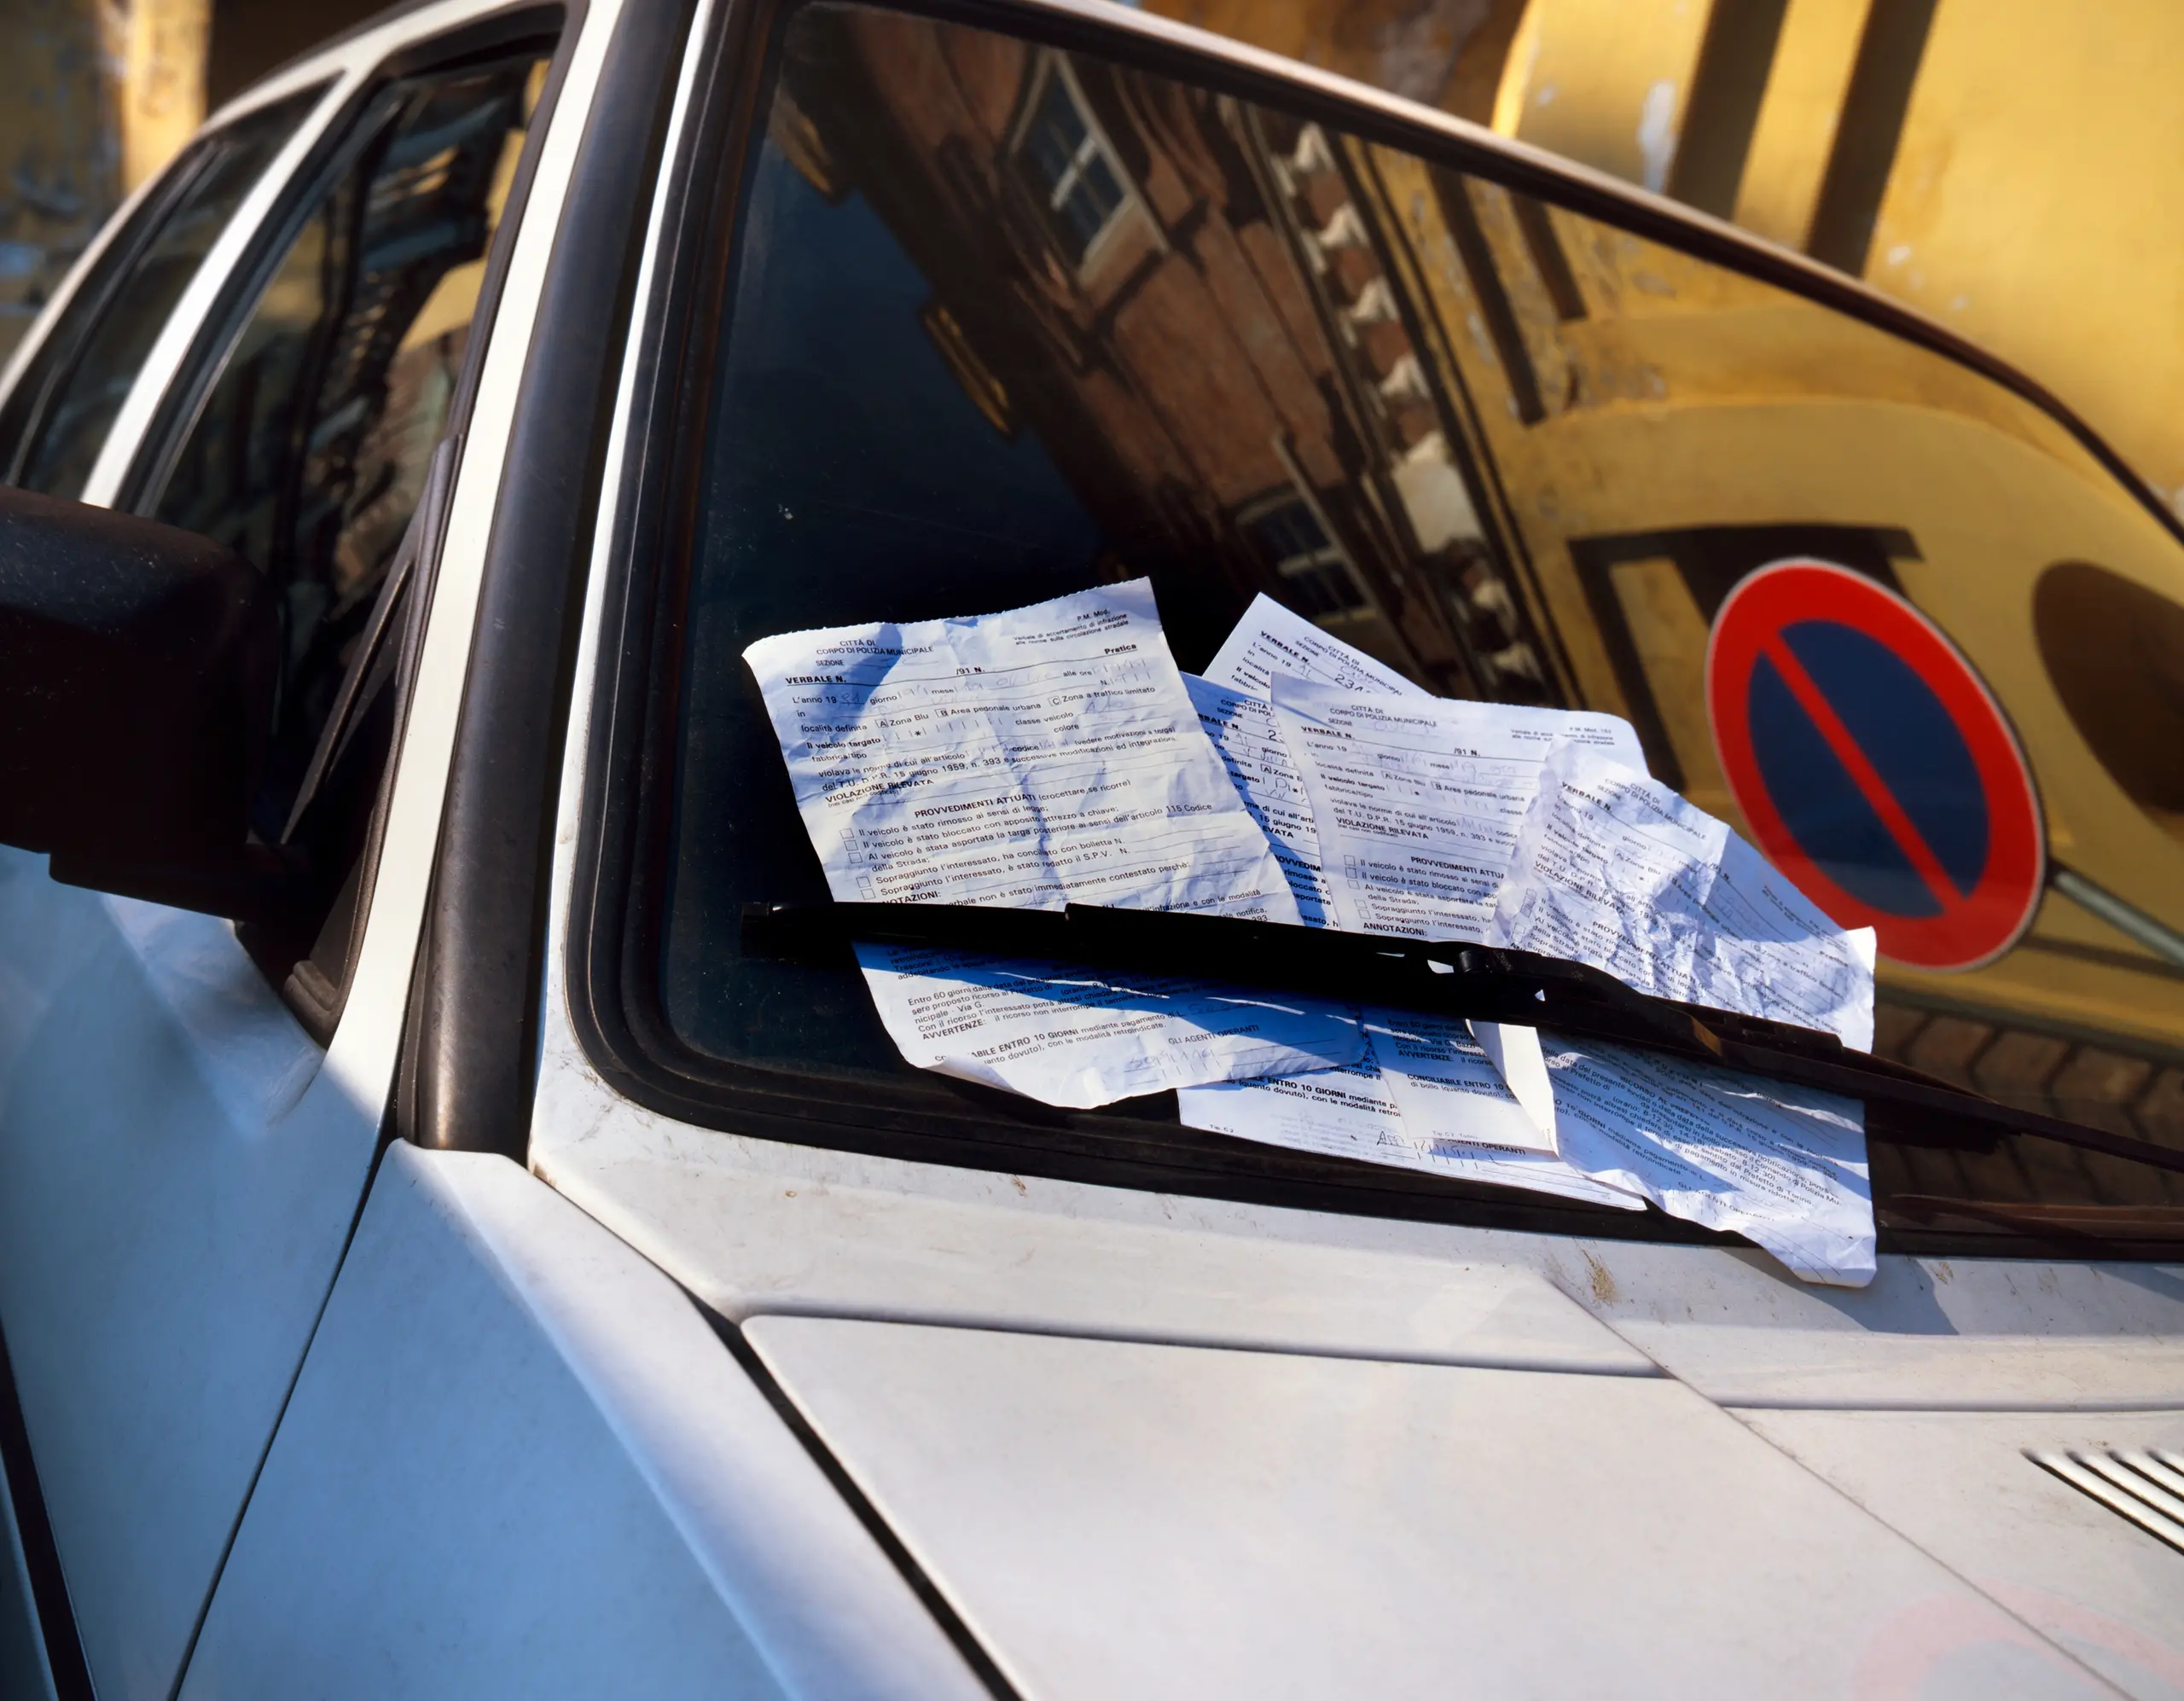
{"points": [[57, 417], [1006, 322], [307, 450]]}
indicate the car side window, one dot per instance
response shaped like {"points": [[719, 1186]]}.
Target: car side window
{"points": [[56, 419], [304, 439], [306, 450]]}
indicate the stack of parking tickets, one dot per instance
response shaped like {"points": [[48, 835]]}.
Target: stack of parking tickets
{"points": [[1028, 759], [1397, 813]]}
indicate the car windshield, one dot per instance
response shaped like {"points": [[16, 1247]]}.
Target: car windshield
{"points": [[1004, 323]]}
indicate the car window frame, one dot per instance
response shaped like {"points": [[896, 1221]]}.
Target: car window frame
{"points": [[351, 62], [83, 272], [428, 526], [554, 25], [346, 134], [52, 354], [616, 908], [176, 336], [53, 348]]}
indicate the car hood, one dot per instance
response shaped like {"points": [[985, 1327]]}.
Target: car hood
{"points": [[1146, 1445], [1115, 1517]]}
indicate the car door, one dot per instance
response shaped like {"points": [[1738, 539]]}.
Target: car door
{"points": [[189, 1109]]}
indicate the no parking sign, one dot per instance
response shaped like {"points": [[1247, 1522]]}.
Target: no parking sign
{"points": [[1875, 767]]}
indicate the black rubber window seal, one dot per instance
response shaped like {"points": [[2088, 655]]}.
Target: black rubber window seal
{"points": [[471, 1063]]}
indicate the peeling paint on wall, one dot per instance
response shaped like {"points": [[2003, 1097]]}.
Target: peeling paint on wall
{"points": [[1657, 135], [1609, 82]]}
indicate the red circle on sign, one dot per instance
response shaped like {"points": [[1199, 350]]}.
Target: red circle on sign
{"points": [[1955, 901]]}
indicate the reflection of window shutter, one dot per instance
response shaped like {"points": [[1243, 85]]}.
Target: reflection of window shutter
{"points": [[1434, 495]]}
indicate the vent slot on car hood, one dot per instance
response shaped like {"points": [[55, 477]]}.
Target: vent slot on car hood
{"points": [[2146, 1485]]}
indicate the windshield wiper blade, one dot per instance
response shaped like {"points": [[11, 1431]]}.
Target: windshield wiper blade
{"points": [[1480, 983]]}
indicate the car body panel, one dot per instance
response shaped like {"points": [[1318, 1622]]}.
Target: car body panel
{"points": [[169, 1243], [25, 1669], [981, 1461], [1945, 1333], [759, 1228], [179, 1178], [980, 1453], [1118, 1519], [195, 306], [1990, 1356], [1959, 1484], [520, 1462]]}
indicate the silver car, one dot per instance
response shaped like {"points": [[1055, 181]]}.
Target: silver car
{"points": [[443, 1253]]}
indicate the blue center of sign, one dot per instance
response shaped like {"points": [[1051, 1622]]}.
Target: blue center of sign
{"points": [[1905, 732]]}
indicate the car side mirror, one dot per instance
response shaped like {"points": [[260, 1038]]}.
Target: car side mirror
{"points": [[138, 668]]}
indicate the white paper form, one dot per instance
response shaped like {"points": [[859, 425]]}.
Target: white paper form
{"points": [[1028, 759], [1242, 729], [1446, 1086], [1442, 1086], [1784, 1167], [1270, 640], [1418, 802], [1615, 870], [1349, 1112], [1067, 1035]]}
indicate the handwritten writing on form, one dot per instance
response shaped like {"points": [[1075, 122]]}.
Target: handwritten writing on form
{"points": [[1418, 802], [1349, 1112], [1242, 729], [1270, 640], [1029, 759], [1614, 869]]}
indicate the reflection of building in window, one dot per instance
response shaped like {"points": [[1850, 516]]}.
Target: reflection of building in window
{"points": [[1162, 287], [1314, 570], [1069, 165], [986, 391]]}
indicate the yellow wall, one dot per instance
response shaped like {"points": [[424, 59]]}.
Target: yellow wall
{"points": [[1604, 82], [1797, 117], [159, 46], [2030, 203], [1447, 53], [2033, 206]]}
